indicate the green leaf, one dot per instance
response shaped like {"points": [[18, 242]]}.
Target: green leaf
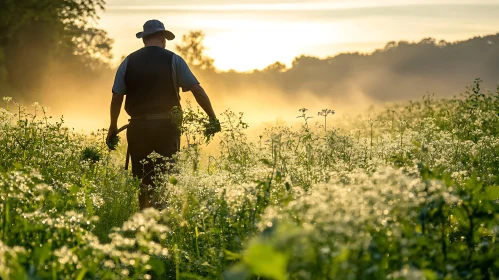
{"points": [[473, 185], [266, 162], [430, 275], [231, 256], [43, 253], [416, 143], [238, 272], [89, 206], [17, 166], [74, 189], [461, 216], [343, 256], [265, 261], [81, 274], [157, 266], [191, 276], [492, 192], [173, 180]]}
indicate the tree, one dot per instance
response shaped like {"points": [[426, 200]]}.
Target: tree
{"points": [[442, 44], [428, 41], [94, 45], [276, 67], [192, 50], [34, 33], [391, 45]]}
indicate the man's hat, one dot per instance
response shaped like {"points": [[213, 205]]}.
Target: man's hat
{"points": [[154, 26]]}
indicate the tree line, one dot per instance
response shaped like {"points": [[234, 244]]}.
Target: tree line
{"points": [[399, 71], [49, 38], [52, 45]]}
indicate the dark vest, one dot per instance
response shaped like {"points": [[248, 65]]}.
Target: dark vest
{"points": [[149, 83]]}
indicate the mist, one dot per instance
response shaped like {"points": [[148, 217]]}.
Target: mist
{"points": [[347, 83]]}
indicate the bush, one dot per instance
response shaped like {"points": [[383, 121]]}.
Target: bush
{"points": [[409, 192]]}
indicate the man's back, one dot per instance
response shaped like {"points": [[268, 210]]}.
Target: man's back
{"points": [[150, 88]]}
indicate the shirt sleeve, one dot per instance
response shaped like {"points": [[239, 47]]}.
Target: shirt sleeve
{"points": [[119, 86], [185, 78]]}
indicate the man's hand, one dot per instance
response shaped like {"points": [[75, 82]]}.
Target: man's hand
{"points": [[211, 128], [112, 135], [112, 138]]}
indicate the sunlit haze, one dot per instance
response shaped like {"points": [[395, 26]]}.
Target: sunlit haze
{"points": [[251, 35]]}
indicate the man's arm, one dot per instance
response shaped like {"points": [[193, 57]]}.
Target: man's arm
{"points": [[119, 91], [188, 82], [203, 100], [116, 104], [115, 109]]}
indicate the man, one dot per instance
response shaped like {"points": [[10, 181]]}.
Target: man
{"points": [[150, 78]]}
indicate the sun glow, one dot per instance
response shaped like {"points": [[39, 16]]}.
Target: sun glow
{"points": [[296, 6], [252, 45], [244, 37]]}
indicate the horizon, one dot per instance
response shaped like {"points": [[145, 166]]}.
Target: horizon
{"points": [[348, 84], [323, 28]]}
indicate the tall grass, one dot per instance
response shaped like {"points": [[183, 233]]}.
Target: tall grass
{"points": [[408, 193]]}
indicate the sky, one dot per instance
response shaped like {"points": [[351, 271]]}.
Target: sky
{"points": [[246, 35]]}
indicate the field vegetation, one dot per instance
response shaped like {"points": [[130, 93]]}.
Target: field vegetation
{"points": [[410, 192]]}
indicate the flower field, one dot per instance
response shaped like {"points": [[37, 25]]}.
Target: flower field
{"points": [[408, 192]]}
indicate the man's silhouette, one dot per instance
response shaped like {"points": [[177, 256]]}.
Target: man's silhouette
{"points": [[150, 78]]}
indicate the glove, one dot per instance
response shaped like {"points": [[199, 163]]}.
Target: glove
{"points": [[211, 128]]}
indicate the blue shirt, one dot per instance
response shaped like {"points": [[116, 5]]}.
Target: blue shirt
{"points": [[182, 76]]}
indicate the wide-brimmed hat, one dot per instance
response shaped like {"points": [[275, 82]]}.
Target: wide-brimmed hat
{"points": [[155, 26]]}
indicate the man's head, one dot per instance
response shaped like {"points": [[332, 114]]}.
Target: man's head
{"points": [[155, 39], [155, 34]]}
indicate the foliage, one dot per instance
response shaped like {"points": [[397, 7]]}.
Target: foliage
{"points": [[401, 72], [410, 192], [62, 32], [192, 50]]}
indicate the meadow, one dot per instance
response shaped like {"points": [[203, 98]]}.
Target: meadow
{"points": [[407, 192]]}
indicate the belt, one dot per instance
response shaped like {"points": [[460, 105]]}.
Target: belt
{"points": [[153, 117]]}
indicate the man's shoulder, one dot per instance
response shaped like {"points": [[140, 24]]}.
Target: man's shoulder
{"points": [[141, 50], [170, 52], [166, 51], [151, 50], [178, 60]]}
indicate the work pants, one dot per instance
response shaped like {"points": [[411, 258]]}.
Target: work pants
{"points": [[145, 137]]}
